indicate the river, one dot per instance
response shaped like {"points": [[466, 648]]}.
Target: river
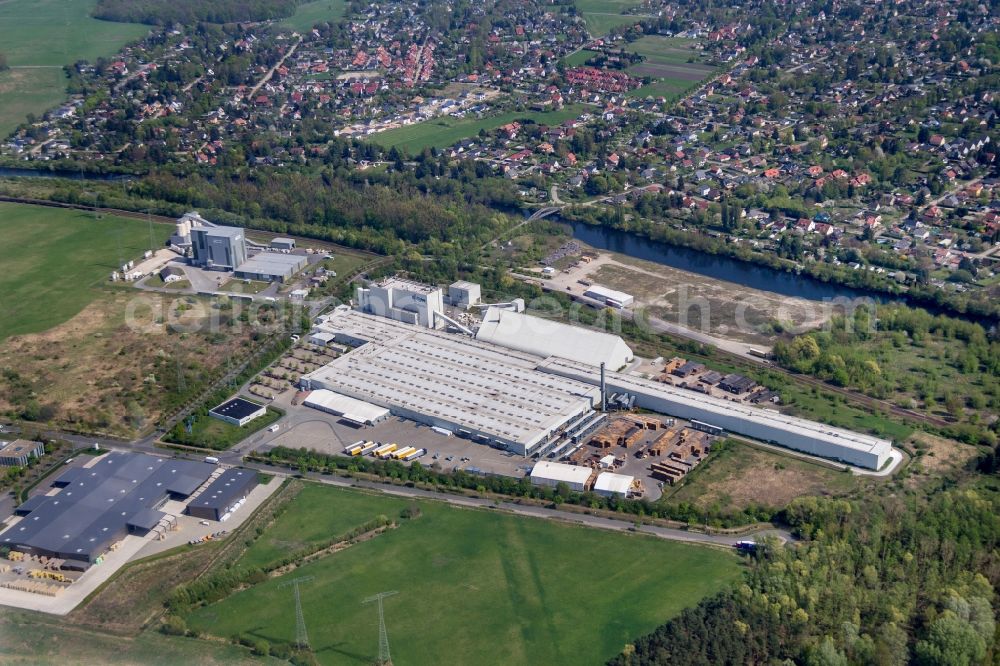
{"points": [[713, 266]]}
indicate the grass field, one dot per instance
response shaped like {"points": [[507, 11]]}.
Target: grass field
{"points": [[309, 14], [212, 433], [474, 586], [603, 15], [671, 62], [30, 638], [443, 132], [39, 37], [302, 525], [53, 258]]}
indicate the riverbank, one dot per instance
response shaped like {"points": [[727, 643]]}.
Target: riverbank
{"points": [[716, 258]]}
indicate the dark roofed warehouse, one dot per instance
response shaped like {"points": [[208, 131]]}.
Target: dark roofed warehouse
{"points": [[238, 411], [222, 496], [118, 495]]}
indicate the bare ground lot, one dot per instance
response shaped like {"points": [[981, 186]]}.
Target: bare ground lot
{"points": [[721, 309], [111, 367], [742, 475]]}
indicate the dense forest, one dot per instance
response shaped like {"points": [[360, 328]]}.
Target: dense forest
{"points": [[165, 12], [886, 581]]}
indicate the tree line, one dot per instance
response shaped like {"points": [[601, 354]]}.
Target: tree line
{"points": [[166, 12], [882, 581]]}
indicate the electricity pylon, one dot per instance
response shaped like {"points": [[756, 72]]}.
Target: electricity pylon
{"points": [[301, 637], [384, 659]]}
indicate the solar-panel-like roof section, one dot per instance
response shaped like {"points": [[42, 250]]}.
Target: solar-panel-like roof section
{"points": [[94, 510], [237, 408]]}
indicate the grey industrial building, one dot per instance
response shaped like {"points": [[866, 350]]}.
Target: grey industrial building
{"points": [[224, 494], [477, 390], [117, 495], [763, 424], [218, 247], [271, 266], [19, 452]]}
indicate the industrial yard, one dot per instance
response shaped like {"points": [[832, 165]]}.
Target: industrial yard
{"points": [[95, 515]]}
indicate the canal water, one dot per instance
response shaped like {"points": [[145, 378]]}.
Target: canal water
{"points": [[713, 266]]}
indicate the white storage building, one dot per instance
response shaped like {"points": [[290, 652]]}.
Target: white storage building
{"points": [[610, 484], [764, 424], [551, 474], [544, 338], [346, 407], [617, 299]]}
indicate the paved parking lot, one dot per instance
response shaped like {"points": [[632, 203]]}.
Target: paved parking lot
{"points": [[310, 428]]}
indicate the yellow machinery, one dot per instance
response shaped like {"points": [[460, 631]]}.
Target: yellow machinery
{"points": [[51, 575]]}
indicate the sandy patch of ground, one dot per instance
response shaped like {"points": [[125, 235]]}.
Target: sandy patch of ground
{"points": [[941, 455], [718, 308]]}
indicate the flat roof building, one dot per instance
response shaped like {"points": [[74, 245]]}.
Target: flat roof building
{"points": [[346, 407], [224, 495], [282, 243], [118, 494], [403, 300], [764, 424], [19, 452], [544, 338], [238, 411], [218, 247], [477, 390], [551, 474], [609, 484], [612, 297], [271, 266], [463, 294]]}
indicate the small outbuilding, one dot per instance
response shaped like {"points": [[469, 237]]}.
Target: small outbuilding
{"points": [[609, 484], [281, 243], [238, 411], [551, 474]]}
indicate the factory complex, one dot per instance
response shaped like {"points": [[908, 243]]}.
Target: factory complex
{"points": [[477, 390], [765, 424], [221, 248], [522, 383]]}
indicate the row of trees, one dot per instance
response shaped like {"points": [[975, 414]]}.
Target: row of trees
{"points": [[166, 12], [307, 460]]}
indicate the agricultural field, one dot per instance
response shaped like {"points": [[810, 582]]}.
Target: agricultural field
{"points": [[603, 15], [443, 132], [39, 37], [309, 14], [61, 258], [546, 592], [673, 64]]}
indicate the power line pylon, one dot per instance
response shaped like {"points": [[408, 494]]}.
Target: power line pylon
{"points": [[301, 637], [384, 659]]}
